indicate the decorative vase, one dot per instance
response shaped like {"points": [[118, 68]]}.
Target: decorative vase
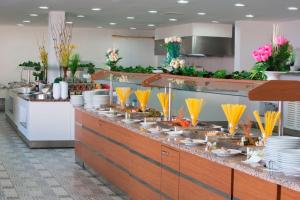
{"points": [[65, 70], [274, 75], [56, 91], [173, 52], [63, 90]]}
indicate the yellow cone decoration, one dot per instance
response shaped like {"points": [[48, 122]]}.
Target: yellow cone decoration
{"points": [[123, 94], [164, 102], [143, 97], [194, 107], [271, 119], [233, 113]]}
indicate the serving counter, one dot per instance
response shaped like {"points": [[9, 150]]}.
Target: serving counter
{"points": [[152, 167]]}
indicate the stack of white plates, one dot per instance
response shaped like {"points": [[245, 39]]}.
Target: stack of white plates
{"points": [[289, 162], [100, 100], [76, 100], [88, 99], [277, 144]]}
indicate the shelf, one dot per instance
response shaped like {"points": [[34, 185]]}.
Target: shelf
{"points": [[279, 90], [196, 84]]}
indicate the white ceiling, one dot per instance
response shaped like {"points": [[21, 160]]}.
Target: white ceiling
{"points": [[13, 12]]}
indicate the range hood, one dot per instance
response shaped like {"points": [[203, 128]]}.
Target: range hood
{"points": [[202, 46]]}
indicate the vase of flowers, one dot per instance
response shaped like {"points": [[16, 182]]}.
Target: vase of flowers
{"points": [[172, 45], [275, 59], [112, 58]]}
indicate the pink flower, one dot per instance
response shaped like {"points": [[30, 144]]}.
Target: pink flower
{"points": [[263, 53], [280, 40]]}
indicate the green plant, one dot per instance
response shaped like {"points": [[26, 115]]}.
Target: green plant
{"points": [[89, 66], [136, 69], [58, 79], [220, 74], [74, 63], [38, 73], [258, 72], [30, 64], [240, 75], [185, 71]]}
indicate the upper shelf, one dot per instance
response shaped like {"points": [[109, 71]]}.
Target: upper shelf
{"points": [[207, 85], [279, 90]]}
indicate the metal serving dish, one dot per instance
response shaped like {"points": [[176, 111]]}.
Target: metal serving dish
{"points": [[41, 96]]}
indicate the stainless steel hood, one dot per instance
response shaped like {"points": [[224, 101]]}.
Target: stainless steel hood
{"points": [[202, 46]]}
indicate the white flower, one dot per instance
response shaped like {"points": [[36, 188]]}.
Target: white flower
{"points": [[166, 40], [179, 40], [181, 62], [109, 50]]}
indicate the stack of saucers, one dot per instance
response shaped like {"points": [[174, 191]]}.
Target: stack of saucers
{"points": [[100, 100], [289, 162], [277, 144], [88, 99]]}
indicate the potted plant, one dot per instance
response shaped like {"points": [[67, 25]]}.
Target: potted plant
{"points": [[275, 58], [112, 58], [172, 46], [74, 64], [44, 60]]}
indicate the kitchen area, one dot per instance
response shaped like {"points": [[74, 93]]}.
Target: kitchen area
{"points": [[182, 100]]}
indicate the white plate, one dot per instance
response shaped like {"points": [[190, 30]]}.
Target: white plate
{"points": [[154, 131], [227, 153], [130, 121], [147, 124], [174, 133], [193, 142]]}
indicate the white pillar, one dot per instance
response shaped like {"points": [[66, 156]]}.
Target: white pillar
{"points": [[56, 19]]}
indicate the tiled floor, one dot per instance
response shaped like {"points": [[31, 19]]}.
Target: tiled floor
{"points": [[44, 174]]}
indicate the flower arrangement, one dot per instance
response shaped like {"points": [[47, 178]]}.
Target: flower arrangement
{"points": [[274, 57], [177, 63], [44, 59], [172, 45], [112, 58]]}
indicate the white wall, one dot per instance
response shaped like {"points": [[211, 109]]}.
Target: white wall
{"points": [[19, 44], [249, 35]]}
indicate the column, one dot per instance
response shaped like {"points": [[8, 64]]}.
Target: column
{"points": [[55, 21]]}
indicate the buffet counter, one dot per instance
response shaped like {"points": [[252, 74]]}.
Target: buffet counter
{"points": [[41, 123], [146, 166]]}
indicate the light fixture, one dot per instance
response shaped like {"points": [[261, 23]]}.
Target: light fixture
{"points": [[249, 16], [20, 24], [26, 21], [69, 22], [182, 1], [173, 20], [80, 16], [292, 8], [99, 27], [239, 5], [152, 11], [150, 25], [132, 28], [112, 23], [96, 9], [33, 15], [130, 17], [215, 22], [43, 7], [201, 13]]}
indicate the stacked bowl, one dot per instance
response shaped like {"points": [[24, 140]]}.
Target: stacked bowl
{"points": [[76, 100], [88, 99], [275, 145], [100, 100]]}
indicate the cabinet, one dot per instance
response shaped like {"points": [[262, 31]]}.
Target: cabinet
{"points": [[248, 187], [287, 194], [170, 172], [203, 179]]}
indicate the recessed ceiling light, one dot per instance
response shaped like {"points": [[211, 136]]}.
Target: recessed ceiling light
{"points": [[26, 21], [150, 25], [182, 1], [43, 7], [33, 15], [249, 16], [80, 16], [292, 8], [69, 22], [99, 27], [201, 13], [112, 23], [152, 11], [173, 20], [239, 5], [132, 28], [96, 9], [130, 17], [20, 24], [215, 21]]}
